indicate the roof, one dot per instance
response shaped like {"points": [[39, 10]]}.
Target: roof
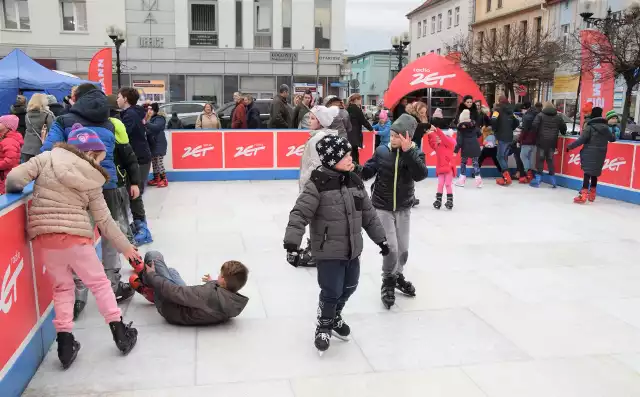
{"points": [[424, 6], [376, 52]]}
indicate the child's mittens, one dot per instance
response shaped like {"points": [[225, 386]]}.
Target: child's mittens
{"points": [[293, 254], [384, 248]]}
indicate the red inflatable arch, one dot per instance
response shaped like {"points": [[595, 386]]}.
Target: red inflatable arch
{"points": [[431, 71]]}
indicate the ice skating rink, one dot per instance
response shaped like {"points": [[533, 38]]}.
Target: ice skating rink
{"points": [[521, 293]]}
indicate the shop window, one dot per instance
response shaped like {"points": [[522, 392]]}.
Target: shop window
{"points": [[263, 21], [322, 23], [16, 14], [203, 23], [74, 15], [177, 86], [204, 88]]}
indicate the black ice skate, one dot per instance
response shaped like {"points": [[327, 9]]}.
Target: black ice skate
{"points": [[340, 329], [323, 335], [449, 203], [124, 292], [78, 307], [68, 348], [438, 203], [388, 294], [125, 336], [306, 259], [405, 286]]}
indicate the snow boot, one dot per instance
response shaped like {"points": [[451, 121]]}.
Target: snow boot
{"points": [[388, 294], [78, 307], [68, 348], [155, 180], [478, 181], [143, 235], [124, 292], [536, 181], [461, 180], [163, 182], [405, 286], [581, 198], [340, 329], [530, 175], [438, 203], [124, 336], [523, 180], [505, 180], [140, 287], [554, 183], [592, 194], [449, 204]]}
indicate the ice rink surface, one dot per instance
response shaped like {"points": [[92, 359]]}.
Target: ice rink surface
{"points": [[521, 293]]}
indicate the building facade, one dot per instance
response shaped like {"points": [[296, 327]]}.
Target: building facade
{"points": [[373, 71], [199, 49], [437, 24]]}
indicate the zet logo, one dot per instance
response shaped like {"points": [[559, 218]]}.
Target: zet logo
{"points": [[614, 164], [430, 79], [574, 159], [249, 151], [9, 292], [295, 151], [198, 151]]}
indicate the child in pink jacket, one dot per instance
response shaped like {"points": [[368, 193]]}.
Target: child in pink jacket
{"points": [[66, 195], [445, 168]]}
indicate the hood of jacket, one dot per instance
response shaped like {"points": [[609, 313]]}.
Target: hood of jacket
{"points": [[550, 111], [13, 135], [507, 109], [231, 303], [92, 106], [597, 120], [18, 109], [75, 169], [38, 116], [466, 125]]}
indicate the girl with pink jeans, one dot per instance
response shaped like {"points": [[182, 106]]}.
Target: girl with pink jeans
{"points": [[67, 190], [443, 145]]}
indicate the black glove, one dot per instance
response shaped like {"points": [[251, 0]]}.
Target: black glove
{"points": [[384, 248], [293, 254]]}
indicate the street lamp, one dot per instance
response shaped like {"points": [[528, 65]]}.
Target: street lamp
{"points": [[117, 36], [400, 44]]}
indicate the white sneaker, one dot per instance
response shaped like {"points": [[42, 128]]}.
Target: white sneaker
{"points": [[478, 181], [461, 181]]}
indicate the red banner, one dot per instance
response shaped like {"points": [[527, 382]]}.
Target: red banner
{"points": [[557, 156], [196, 150], [636, 167], [245, 149], [616, 169], [100, 69], [597, 78], [290, 148], [369, 146], [17, 300]]}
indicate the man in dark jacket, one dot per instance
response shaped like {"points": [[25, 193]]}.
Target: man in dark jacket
{"points": [[280, 113], [20, 109], [547, 126], [254, 121], [358, 121], [215, 302], [396, 167], [239, 116], [302, 109], [174, 122], [527, 141], [133, 117], [91, 109], [503, 124], [56, 108], [400, 108]]}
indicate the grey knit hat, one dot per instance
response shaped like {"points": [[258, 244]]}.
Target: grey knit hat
{"points": [[405, 124], [51, 99]]}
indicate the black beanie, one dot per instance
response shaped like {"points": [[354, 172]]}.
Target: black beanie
{"points": [[331, 149], [596, 112]]}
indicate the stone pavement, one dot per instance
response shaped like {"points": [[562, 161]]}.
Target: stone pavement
{"points": [[521, 293]]}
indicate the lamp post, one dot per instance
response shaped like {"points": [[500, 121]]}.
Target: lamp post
{"points": [[117, 36], [400, 44]]}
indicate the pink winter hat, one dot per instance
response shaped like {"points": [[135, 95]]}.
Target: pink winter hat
{"points": [[438, 114], [10, 121], [384, 115]]}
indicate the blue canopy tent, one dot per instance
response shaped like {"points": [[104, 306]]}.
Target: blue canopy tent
{"points": [[21, 74]]}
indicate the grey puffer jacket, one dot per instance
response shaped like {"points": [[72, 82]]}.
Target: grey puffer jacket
{"points": [[337, 207], [595, 137], [548, 125]]}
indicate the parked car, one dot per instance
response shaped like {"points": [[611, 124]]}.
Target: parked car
{"points": [[188, 111], [569, 122], [264, 106]]}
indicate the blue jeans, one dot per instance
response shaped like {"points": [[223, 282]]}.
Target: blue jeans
{"points": [[163, 270], [526, 154], [338, 280], [503, 148]]}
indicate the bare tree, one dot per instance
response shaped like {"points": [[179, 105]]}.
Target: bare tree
{"points": [[510, 56], [622, 52]]}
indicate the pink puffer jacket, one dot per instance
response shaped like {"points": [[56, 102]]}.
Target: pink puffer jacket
{"points": [[68, 188]]}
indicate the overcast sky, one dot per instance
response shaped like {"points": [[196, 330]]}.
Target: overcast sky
{"points": [[372, 23]]}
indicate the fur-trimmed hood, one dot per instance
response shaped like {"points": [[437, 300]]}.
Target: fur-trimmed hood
{"points": [[75, 169]]}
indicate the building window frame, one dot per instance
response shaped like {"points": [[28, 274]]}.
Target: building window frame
{"points": [[499, 4], [287, 34], [433, 24], [77, 13], [564, 29], [239, 24], [424, 28], [419, 29], [449, 18], [16, 14], [456, 18], [488, 5], [315, 8], [440, 22], [262, 39], [215, 32]]}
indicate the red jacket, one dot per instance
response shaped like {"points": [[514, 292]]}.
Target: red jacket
{"points": [[239, 117], [444, 151], [10, 147]]}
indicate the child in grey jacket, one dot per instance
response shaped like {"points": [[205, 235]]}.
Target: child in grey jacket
{"points": [[336, 205]]}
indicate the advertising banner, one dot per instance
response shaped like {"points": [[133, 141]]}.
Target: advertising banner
{"points": [[368, 143], [248, 149], [617, 165], [636, 168], [17, 300], [196, 150], [597, 78], [43, 283], [150, 90], [290, 147], [101, 69], [557, 156]]}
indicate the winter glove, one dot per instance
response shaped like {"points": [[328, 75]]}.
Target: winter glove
{"points": [[384, 248], [293, 254]]}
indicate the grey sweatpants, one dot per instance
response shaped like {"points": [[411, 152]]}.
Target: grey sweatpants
{"points": [[396, 225]]}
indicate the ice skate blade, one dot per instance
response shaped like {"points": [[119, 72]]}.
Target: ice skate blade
{"points": [[320, 353], [407, 294], [342, 338]]}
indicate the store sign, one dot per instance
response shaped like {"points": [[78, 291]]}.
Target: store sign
{"points": [[330, 58], [290, 148], [248, 149], [196, 150], [281, 56], [203, 39], [150, 42], [150, 90]]}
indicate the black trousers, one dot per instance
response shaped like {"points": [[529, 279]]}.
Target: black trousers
{"points": [[491, 153], [519, 163], [588, 178], [137, 206], [543, 155], [338, 280]]}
